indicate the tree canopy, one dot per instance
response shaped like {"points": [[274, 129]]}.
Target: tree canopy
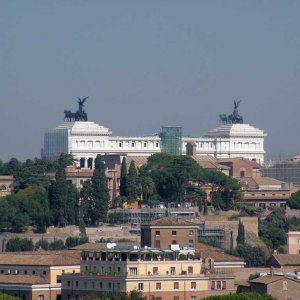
{"points": [[241, 296]]}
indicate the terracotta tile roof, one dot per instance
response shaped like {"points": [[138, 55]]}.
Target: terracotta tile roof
{"points": [[170, 221], [256, 182], [138, 160], [252, 163], [287, 259], [23, 279], [217, 254], [270, 279], [41, 258]]}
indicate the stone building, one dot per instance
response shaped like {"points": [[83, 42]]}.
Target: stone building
{"points": [[87, 139], [168, 231], [6, 185], [34, 275], [293, 242], [158, 274]]}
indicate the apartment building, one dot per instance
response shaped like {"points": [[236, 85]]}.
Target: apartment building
{"points": [[158, 274], [34, 275]]}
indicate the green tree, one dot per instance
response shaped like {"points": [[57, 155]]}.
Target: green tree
{"points": [[33, 201], [132, 188], [294, 200], [241, 296], [87, 203], [123, 178], [254, 256], [42, 244], [19, 245], [241, 234], [100, 193], [75, 241], [57, 244], [7, 297], [63, 197], [12, 218]]}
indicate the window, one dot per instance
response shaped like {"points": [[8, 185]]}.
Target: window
{"points": [[41, 297], [176, 298], [285, 285], [132, 145], [93, 284], [100, 284], [109, 285], [33, 272], [141, 286], [76, 283], [213, 285], [158, 298], [191, 243], [191, 232], [298, 241], [176, 285], [8, 271], [69, 283], [133, 271], [156, 145], [219, 286], [223, 285], [158, 286], [174, 232], [298, 251], [193, 298], [145, 145], [120, 145], [3, 271], [44, 272], [118, 285], [157, 244], [155, 270], [157, 233], [190, 270], [173, 270], [193, 285], [174, 242]]}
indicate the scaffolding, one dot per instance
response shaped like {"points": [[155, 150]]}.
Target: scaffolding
{"points": [[286, 170], [171, 140]]}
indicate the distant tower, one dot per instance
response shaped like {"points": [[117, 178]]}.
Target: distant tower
{"points": [[171, 140]]}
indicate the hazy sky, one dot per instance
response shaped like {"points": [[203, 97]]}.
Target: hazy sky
{"points": [[144, 64]]}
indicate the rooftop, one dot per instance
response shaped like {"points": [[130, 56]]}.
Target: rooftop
{"points": [[170, 221], [270, 279], [23, 279], [40, 258], [217, 254], [287, 259]]}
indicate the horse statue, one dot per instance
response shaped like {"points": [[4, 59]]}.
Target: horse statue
{"points": [[79, 115]]}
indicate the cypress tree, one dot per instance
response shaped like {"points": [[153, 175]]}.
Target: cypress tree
{"points": [[123, 178], [100, 193], [241, 234], [231, 242], [58, 195], [131, 183]]}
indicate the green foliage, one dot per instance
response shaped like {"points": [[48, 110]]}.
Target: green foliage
{"points": [[75, 241], [133, 295], [294, 201], [115, 218], [176, 178], [254, 256], [57, 245], [19, 245], [294, 224], [64, 197], [123, 178], [241, 234], [7, 297], [12, 218], [99, 193], [42, 244], [132, 189], [33, 202], [241, 296], [272, 230]]}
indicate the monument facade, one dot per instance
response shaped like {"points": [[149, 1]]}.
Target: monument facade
{"points": [[85, 139]]}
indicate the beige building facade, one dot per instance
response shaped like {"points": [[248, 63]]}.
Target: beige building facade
{"points": [[294, 242]]}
